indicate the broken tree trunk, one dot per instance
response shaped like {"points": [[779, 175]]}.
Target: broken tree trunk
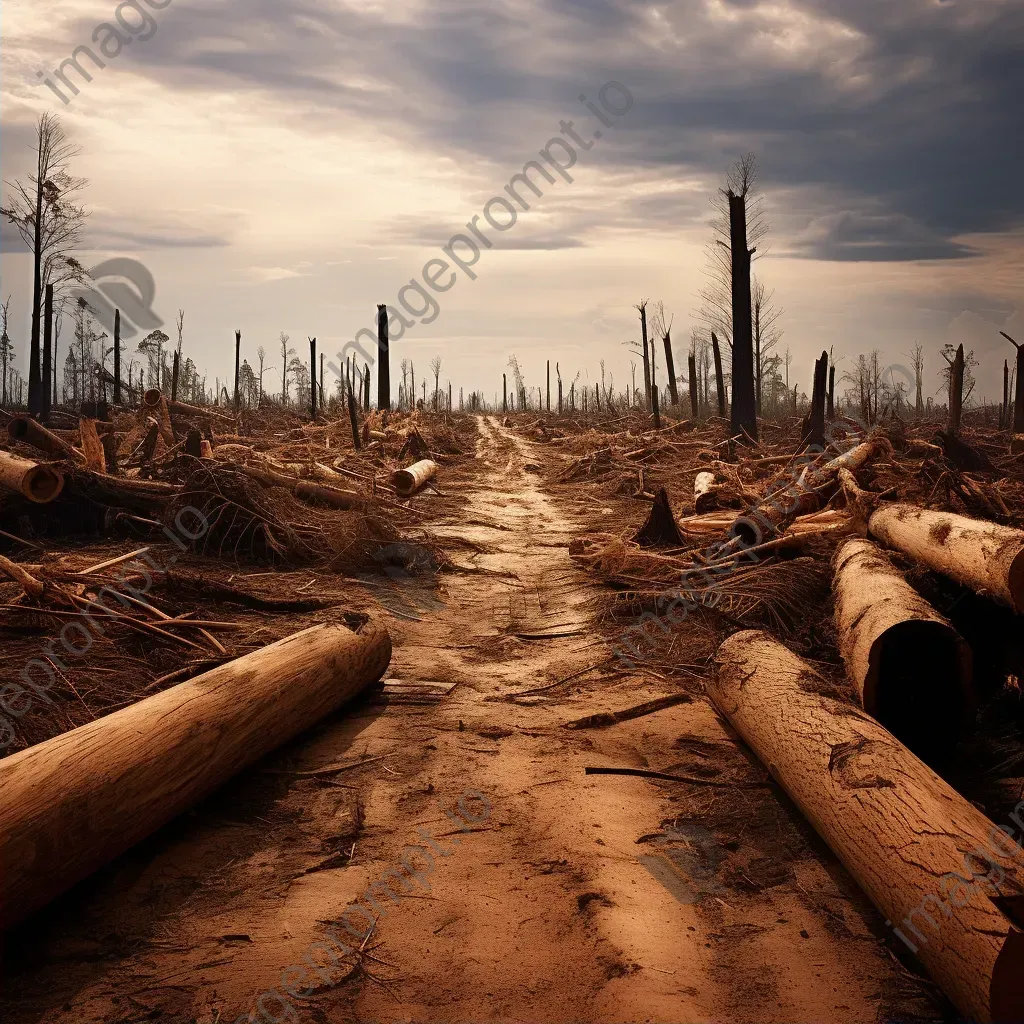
{"points": [[719, 377], [312, 379], [1018, 400], [175, 372], [30, 431], [647, 358], [408, 481], [117, 357], [154, 403], [660, 529], [831, 410], [383, 359], [352, 418], [984, 556], [913, 844], [814, 434], [670, 369], [138, 768], [37, 482], [1004, 409], [238, 357], [911, 668]]}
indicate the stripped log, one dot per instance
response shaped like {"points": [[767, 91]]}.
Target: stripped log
{"points": [[984, 556], [70, 804], [911, 668], [92, 447], [913, 844], [37, 482], [703, 496], [408, 481], [31, 432]]}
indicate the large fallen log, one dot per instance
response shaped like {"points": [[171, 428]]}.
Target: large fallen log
{"points": [[984, 556], [946, 878], [69, 805], [911, 668], [408, 481], [37, 482], [29, 431]]}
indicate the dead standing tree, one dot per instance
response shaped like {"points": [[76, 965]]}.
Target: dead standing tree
{"points": [[642, 307], [384, 363], [719, 379], [1018, 401], [744, 405]]}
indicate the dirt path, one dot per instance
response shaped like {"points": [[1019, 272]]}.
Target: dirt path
{"points": [[564, 898]]}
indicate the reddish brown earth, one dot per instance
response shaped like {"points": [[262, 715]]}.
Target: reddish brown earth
{"points": [[576, 898]]}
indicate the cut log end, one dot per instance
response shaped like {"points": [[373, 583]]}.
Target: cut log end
{"points": [[408, 481], [42, 484]]}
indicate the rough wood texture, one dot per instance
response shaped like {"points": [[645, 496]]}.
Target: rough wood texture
{"points": [[911, 668], [67, 806], [155, 405], [903, 833], [29, 431], [984, 556], [36, 482], [408, 481]]}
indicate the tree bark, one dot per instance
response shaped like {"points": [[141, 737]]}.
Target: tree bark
{"points": [[408, 481], [670, 369], [814, 436], [956, 390], [34, 381], [647, 359], [46, 383], [912, 843], [691, 361], [984, 556], [154, 404], [238, 357], [37, 482], [719, 376], [352, 418], [312, 378], [136, 769], [831, 412], [504, 393], [744, 406], [384, 363], [549, 387], [29, 431], [117, 357], [911, 668], [175, 372]]}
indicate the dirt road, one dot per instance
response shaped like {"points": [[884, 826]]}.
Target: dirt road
{"points": [[553, 895]]}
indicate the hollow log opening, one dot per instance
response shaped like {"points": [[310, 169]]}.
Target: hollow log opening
{"points": [[923, 701]]}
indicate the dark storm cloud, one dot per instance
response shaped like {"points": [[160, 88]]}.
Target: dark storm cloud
{"points": [[903, 118]]}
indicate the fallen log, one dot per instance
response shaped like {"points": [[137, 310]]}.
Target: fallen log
{"points": [[336, 497], [29, 431], [70, 804], [911, 668], [184, 409], [801, 495], [911, 842], [37, 482], [984, 556], [408, 481]]}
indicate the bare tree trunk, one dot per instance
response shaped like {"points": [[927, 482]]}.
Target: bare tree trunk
{"points": [[312, 378], [1018, 400], [384, 364], [549, 385], [831, 413], [1004, 411], [647, 359], [670, 369], [175, 371], [504, 392], [744, 407], [46, 390], [238, 356], [34, 382], [901, 831], [956, 390], [694, 394], [719, 376], [117, 357], [814, 435], [352, 418]]}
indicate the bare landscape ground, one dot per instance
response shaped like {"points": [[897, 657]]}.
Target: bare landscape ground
{"points": [[571, 897]]}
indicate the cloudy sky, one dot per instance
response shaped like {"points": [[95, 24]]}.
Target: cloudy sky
{"points": [[284, 165]]}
